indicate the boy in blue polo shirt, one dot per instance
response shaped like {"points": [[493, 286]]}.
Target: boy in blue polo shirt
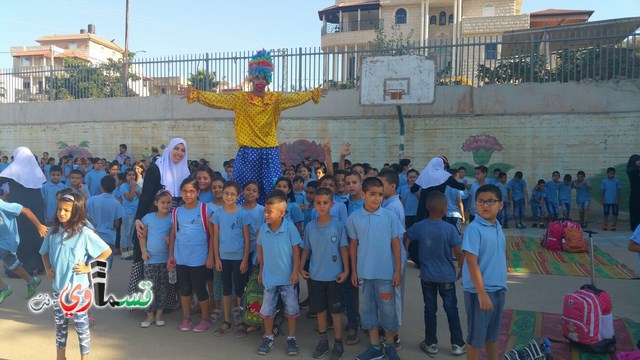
{"points": [[437, 273], [9, 240], [518, 195], [583, 197], [277, 243], [552, 195], [329, 268], [374, 250], [76, 178], [484, 274], [564, 196], [610, 198], [105, 212], [93, 177], [49, 191]]}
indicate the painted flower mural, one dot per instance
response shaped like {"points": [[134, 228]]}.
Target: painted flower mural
{"points": [[482, 148], [294, 152], [77, 151]]}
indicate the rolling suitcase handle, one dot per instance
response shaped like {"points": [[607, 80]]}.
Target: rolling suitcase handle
{"points": [[593, 263]]}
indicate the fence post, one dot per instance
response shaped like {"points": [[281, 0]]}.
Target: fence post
{"points": [[299, 69], [207, 79]]}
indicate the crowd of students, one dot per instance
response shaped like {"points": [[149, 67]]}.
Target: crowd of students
{"points": [[345, 228]]}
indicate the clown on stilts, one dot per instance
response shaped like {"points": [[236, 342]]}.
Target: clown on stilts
{"points": [[257, 113]]}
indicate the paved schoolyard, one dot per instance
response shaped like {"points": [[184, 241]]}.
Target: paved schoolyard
{"points": [[117, 334]]}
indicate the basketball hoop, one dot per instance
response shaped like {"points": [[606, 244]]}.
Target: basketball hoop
{"points": [[395, 94]]}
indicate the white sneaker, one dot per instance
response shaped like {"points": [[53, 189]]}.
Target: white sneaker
{"points": [[458, 350], [429, 349]]}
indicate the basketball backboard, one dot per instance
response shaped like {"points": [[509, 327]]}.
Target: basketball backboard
{"points": [[397, 80]]}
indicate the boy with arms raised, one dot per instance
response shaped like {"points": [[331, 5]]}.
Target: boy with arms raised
{"points": [[374, 250], [484, 274], [437, 239], [278, 243], [329, 268]]}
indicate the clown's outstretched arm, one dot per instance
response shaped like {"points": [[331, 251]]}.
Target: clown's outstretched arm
{"points": [[209, 99], [296, 99]]}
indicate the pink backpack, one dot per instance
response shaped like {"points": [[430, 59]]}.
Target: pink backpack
{"points": [[587, 319], [552, 239]]}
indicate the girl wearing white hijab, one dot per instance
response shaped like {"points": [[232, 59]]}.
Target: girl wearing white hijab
{"points": [[166, 173], [22, 179], [434, 177]]}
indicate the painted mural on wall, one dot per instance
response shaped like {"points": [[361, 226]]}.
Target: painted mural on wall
{"points": [[77, 151], [292, 153], [482, 148]]}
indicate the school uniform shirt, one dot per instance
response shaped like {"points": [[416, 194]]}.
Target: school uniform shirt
{"points": [[394, 205], [157, 229], [610, 188], [340, 198], [104, 210], [324, 242], [65, 253], [294, 213], [452, 195], [256, 219], [76, 191], [337, 211], [129, 206], [9, 237], [486, 241], [564, 193], [552, 191], [504, 191], [436, 238], [582, 192], [205, 197], [373, 231], [517, 189], [409, 201], [277, 252], [49, 191], [541, 194], [301, 197], [352, 206], [191, 245], [472, 197], [231, 235], [92, 180]]}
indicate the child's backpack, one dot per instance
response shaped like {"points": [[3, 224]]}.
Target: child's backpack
{"points": [[532, 351], [574, 240], [203, 216], [252, 300], [587, 319], [552, 239]]}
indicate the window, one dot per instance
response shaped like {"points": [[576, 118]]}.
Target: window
{"points": [[26, 85], [451, 19], [442, 18], [488, 10], [25, 61], [401, 16], [433, 20], [491, 51]]}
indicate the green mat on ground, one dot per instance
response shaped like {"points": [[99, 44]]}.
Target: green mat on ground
{"points": [[525, 255]]}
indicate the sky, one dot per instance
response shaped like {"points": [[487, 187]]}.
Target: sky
{"points": [[160, 28]]}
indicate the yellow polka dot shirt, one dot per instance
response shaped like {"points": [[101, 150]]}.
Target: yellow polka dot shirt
{"points": [[256, 116]]}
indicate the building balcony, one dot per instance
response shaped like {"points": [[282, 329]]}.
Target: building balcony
{"points": [[349, 33]]}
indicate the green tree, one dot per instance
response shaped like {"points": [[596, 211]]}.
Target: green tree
{"points": [[204, 81], [393, 42], [79, 80]]}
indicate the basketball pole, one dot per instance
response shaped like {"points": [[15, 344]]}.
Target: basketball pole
{"points": [[401, 123]]}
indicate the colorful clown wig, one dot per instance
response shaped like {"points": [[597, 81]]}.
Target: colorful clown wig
{"points": [[260, 65]]}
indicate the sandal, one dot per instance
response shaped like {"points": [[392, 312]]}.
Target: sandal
{"points": [[215, 315], [242, 330], [223, 329]]}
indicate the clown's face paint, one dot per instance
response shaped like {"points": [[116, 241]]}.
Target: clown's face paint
{"points": [[259, 84]]}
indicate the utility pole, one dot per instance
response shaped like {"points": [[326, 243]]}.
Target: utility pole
{"points": [[125, 59]]}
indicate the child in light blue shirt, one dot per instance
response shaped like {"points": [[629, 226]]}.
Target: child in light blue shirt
{"points": [[564, 196], [106, 213], [130, 192], [610, 198], [93, 177], [49, 191], [538, 200], [583, 197]]}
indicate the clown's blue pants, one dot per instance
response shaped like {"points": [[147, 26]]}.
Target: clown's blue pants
{"points": [[259, 164]]}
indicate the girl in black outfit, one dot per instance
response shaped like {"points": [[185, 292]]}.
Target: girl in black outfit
{"points": [[633, 171]]}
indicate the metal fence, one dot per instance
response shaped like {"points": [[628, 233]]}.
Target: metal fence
{"points": [[471, 61]]}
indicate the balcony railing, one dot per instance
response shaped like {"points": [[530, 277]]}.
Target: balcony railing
{"points": [[352, 26], [472, 61]]}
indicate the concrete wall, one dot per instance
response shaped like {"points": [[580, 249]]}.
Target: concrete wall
{"points": [[539, 127]]}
